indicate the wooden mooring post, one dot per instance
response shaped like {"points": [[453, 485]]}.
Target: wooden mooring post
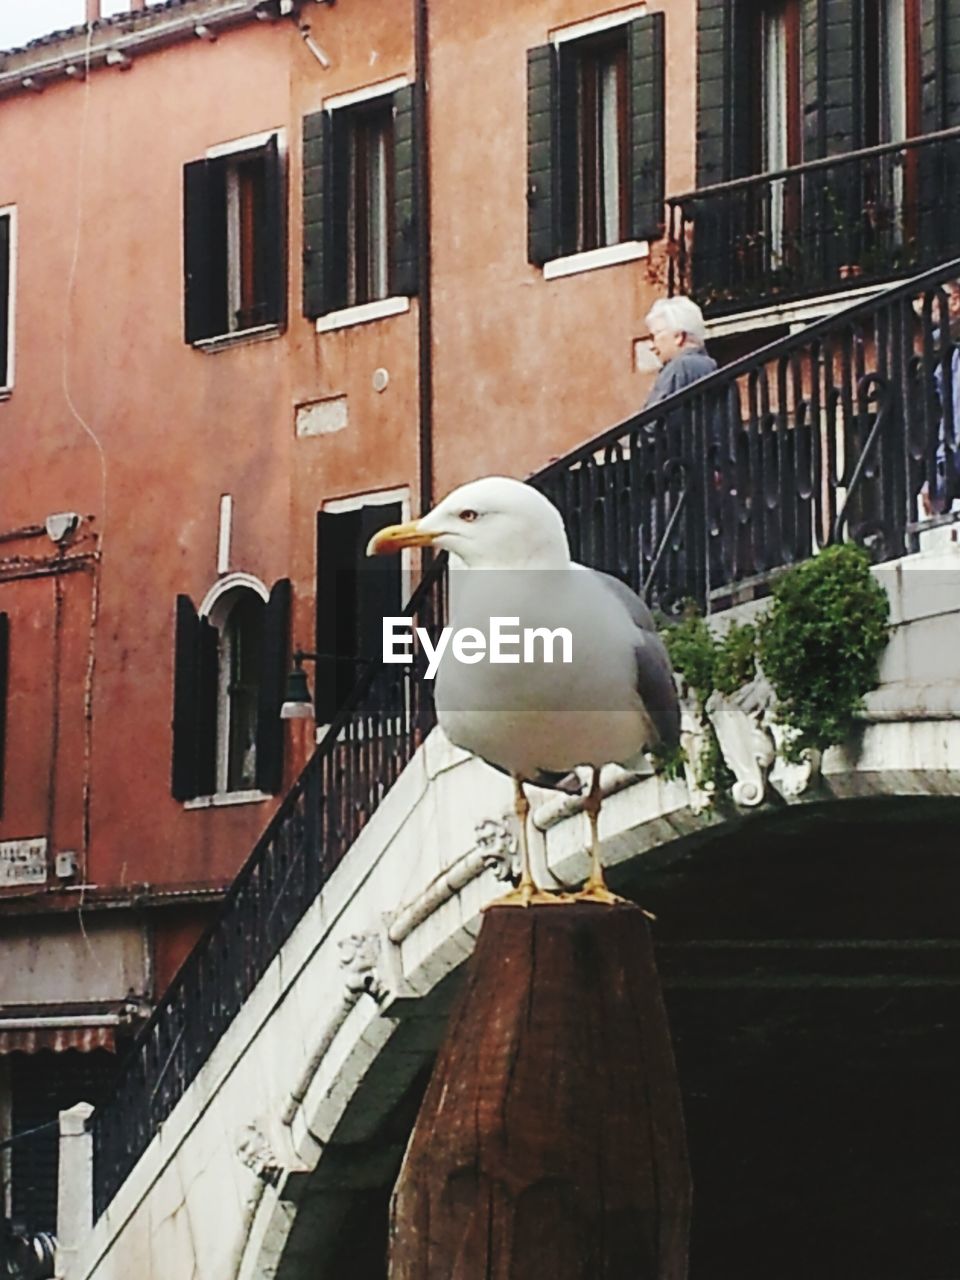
{"points": [[550, 1143]]}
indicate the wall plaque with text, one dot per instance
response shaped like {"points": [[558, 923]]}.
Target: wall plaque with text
{"points": [[23, 862]]}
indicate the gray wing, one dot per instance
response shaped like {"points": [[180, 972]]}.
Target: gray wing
{"points": [[654, 672]]}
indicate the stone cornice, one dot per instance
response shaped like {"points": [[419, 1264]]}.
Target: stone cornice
{"points": [[115, 43]]}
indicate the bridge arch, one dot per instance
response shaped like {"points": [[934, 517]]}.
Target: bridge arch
{"points": [[284, 1144]]}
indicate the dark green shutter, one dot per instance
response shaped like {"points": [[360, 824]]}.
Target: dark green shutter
{"points": [[208, 667], [4, 300], [378, 586], [4, 679], [316, 129], [566, 151], [274, 235], [406, 194], [714, 37], [541, 132], [811, 64], [194, 704], [933, 64], [338, 534], [354, 594], [273, 678], [832, 77], [204, 250], [185, 684], [726, 85], [646, 63], [833, 126]]}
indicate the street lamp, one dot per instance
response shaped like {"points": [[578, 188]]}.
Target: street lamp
{"points": [[297, 703]]}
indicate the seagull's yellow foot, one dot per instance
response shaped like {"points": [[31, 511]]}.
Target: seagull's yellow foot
{"points": [[527, 894], [595, 890]]}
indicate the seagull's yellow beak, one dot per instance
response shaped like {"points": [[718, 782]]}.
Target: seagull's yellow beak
{"points": [[397, 537]]}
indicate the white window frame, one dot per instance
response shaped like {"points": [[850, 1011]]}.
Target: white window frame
{"points": [[7, 375], [215, 609], [773, 75], [234, 151], [590, 26]]}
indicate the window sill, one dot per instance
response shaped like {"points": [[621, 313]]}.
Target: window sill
{"points": [[363, 314], [6, 393], [224, 340], [226, 799], [593, 259]]}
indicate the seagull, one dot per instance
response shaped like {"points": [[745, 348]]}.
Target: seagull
{"points": [[607, 696]]}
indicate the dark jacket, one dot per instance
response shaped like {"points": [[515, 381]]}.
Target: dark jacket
{"points": [[678, 373]]}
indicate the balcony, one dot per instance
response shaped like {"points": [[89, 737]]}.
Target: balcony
{"points": [[868, 217]]}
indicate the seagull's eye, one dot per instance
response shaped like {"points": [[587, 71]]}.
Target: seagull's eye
{"points": [[469, 515]]}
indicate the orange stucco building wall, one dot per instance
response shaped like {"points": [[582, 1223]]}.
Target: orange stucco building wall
{"points": [[113, 415]]}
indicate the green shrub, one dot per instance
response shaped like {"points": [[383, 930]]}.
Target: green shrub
{"points": [[820, 644]]}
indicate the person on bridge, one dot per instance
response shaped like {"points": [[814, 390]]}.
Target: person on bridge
{"points": [[678, 334]]}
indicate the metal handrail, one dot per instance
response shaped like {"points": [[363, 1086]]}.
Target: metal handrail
{"points": [[813, 166], [767, 354]]}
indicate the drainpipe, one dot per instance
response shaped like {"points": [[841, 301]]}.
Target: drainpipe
{"points": [[425, 328]]}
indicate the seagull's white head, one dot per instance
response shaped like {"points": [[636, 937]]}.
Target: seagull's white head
{"points": [[493, 523]]}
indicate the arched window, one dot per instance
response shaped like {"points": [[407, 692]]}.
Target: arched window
{"points": [[231, 660], [240, 668]]}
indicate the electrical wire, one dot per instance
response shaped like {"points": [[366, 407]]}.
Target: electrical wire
{"points": [[28, 1133], [101, 455]]}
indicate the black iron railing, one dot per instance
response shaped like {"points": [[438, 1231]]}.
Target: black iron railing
{"points": [[834, 433], [869, 216], [843, 431]]}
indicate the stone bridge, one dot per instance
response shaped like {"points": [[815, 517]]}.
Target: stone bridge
{"points": [[818, 898]]}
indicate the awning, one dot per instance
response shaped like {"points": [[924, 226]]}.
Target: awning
{"points": [[19, 1036]]}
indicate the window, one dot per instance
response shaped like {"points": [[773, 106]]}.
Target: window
{"points": [[230, 667], [779, 116], [241, 664], [369, 153], [891, 82], [354, 594], [234, 259], [595, 139], [600, 71], [7, 249], [360, 197], [43, 1084]]}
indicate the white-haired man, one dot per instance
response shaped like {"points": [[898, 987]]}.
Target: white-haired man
{"points": [[678, 334]]}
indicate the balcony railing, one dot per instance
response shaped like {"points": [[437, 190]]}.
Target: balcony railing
{"points": [[843, 431], [867, 217]]}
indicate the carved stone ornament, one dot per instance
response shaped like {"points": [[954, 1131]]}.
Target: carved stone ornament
{"points": [[359, 957], [693, 740], [746, 747], [255, 1151], [752, 742], [498, 844]]}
